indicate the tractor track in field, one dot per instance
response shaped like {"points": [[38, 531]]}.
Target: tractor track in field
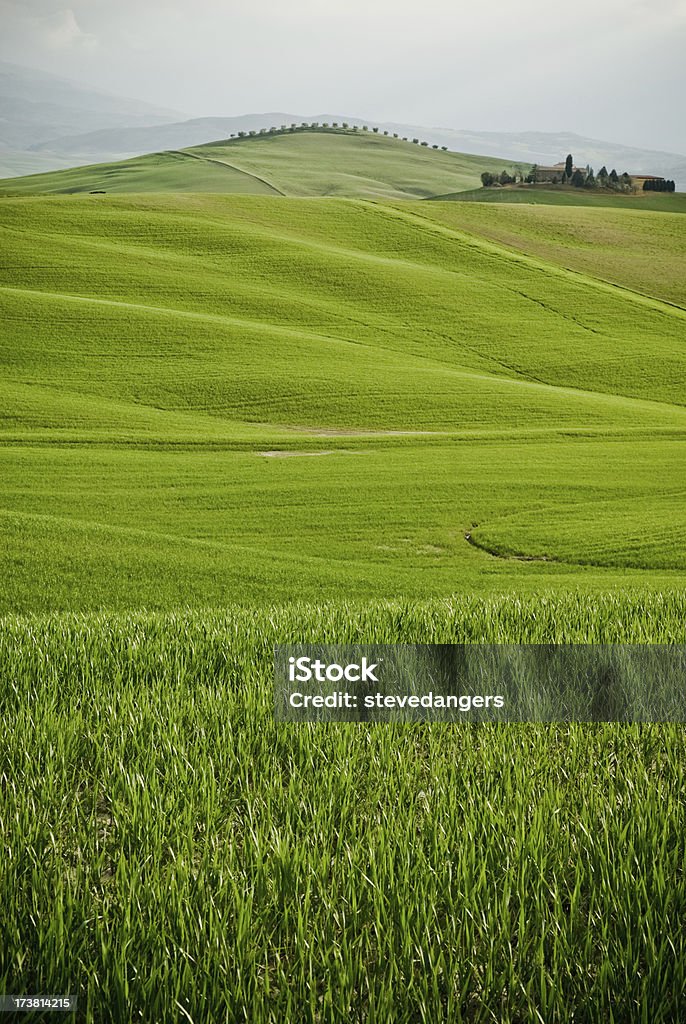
{"points": [[501, 251], [508, 558], [233, 167]]}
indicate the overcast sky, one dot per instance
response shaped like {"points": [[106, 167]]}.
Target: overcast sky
{"points": [[610, 69]]}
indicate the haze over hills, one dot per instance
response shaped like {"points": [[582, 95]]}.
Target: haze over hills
{"points": [[132, 141], [37, 109], [48, 123]]}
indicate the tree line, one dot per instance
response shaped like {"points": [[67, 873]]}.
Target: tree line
{"points": [[660, 185], [335, 126]]}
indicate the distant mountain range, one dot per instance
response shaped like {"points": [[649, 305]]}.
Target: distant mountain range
{"points": [[48, 123], [38, 109]]}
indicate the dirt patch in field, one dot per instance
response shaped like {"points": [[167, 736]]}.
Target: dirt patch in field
{"points": [[290, 455], [353, 432]]}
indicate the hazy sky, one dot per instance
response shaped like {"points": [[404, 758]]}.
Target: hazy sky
{"points": [[612, 69]]}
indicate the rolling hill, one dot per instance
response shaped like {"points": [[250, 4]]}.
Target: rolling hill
{"points": [[210, 398], [306, 163], [135, 139], [321, 162], [636, 246]]}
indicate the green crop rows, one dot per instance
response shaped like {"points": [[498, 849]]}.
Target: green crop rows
{"points": [[171, 854]]}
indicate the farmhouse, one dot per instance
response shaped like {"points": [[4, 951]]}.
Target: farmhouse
{"points": [[554, 173], [639, 180]]}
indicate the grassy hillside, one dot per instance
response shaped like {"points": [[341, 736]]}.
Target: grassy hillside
{"points": [[216, 398], [157, 172], [673, 203], [639, 249], [303, 164]]}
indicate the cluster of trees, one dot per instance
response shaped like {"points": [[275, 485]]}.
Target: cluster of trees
{"points": [[324, 126], [611, 180], [504, 178], [604, 179], [578, 178], [660, 185], [584, 178]]}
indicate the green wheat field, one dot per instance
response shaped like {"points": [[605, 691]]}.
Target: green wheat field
{"points": [[265, 392]]}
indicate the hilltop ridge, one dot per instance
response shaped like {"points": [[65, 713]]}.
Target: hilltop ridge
{"points": [[305, 161]]}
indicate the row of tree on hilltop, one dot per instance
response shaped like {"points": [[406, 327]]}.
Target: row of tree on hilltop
{"points": [[335, 126]]}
